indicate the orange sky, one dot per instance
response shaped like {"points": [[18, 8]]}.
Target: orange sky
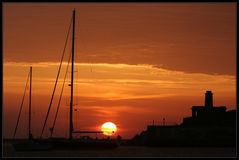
{"points": [[135, 62]]}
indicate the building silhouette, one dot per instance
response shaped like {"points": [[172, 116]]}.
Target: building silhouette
{"points": [[209, 115], [208, 126]]}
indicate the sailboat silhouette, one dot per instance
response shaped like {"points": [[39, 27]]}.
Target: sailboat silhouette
{"points": [[29, 144], [70, 143], [82, 142]]}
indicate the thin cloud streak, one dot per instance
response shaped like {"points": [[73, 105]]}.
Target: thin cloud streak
{"points": [[116, 75]]}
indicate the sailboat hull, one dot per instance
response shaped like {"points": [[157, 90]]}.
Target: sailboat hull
{"points": [[80, 143], [31, 146], [85, 144]]}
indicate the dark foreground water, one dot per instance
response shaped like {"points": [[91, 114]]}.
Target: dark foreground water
{"points": [[126, 151]]}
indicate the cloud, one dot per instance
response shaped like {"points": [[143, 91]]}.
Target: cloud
{"points": [[105, 79]]}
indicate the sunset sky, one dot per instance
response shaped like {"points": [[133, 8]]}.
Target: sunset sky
{"points": [[135, 62]]}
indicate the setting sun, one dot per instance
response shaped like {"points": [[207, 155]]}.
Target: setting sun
{"points": [[108, 128]]}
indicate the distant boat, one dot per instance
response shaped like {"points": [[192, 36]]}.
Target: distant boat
{"points": [[28, 144]]}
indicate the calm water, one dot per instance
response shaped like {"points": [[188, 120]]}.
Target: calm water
{"points": [[126, 151]]}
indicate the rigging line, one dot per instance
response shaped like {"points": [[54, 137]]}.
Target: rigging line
{"points": [[58, 106], [56, 80], [15, 131]]}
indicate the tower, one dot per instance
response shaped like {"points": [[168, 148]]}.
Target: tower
{"points": [[208, 99]]}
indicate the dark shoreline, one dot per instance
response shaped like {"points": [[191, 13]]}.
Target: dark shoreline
{"points": [[127, 151]]}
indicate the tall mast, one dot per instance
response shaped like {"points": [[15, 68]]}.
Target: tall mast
{"points": [[30, 105], [72, 76]]}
